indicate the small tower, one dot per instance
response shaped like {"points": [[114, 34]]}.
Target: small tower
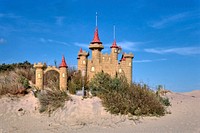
{"points": [[63, 74], [39, 75], [126, 64], [82, 60], [115, 50]]}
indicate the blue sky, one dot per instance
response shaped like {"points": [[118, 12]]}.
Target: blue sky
{"points": [[164, 35]]}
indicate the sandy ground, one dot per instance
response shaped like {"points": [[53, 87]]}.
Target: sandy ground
{"points": [[21, 115]]}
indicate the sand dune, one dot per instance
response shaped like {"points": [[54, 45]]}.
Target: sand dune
{"points": [[21, 115]]}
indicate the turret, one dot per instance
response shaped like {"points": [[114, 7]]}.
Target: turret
{"points": [[39, 68], [126, 65], [82, 60], [63, 74]]}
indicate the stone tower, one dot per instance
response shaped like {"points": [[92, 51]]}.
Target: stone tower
{"points": [[96, 47], [82, 60], [126, 66], [39, 79], [63, 74]]}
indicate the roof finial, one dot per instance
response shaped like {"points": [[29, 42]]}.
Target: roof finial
{"points": [[96, 18], [114, 32]]}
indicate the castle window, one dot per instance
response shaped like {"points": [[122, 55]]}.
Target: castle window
{"points": [[92, 69], [129, 64], [63, 75], [83, 61], [120, 70], [103, 57], [39, 76]]}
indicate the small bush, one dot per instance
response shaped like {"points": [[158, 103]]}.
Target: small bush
{"points": [[24, 81], [118, 97], [165, 101], [50, 100]]}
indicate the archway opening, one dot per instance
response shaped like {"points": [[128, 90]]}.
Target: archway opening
{"points": [[51, 79]]}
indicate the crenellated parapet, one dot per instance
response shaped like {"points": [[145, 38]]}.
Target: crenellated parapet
{"points": [[40, 65]]}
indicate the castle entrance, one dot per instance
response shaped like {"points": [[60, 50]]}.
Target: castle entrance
{"points": [[51, 79]]}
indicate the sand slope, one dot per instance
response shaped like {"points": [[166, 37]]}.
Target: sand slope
{"points": [[21, 115]]}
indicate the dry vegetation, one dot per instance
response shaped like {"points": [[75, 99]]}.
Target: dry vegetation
{"points": [[119, 97], [14, 78]]}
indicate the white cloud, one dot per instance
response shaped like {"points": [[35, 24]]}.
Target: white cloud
{"points": [[2, 40], [147, 61], [180, 51], [169, 19], [53, 41], [128, 45]]}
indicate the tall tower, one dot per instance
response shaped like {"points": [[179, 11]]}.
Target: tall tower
{"points": [[63, 74], [96, 46]]}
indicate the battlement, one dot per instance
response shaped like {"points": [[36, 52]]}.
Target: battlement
{"points": [[40, 65], [83, 53], [129, 55]]}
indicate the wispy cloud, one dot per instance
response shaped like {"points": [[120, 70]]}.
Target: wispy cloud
{"points": [[9, 15], [2, 41], [129, 45], [82, 45], [126, 45], [180, 51], [147, 61], [164, 21], [60, 20], [53, 41]]}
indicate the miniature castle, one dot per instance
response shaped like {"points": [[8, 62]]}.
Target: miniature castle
{"points": [[107, 63]]}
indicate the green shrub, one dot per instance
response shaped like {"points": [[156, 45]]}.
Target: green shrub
{"points": [[120, 97], [165, 101], [24, 81]]}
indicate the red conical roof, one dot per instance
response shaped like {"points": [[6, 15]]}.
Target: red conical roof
{"points": [[63, 63], [81, 50], [114, 45], [96, 37]]}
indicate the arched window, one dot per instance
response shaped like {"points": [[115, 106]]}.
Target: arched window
{"points": [[92, 69]]}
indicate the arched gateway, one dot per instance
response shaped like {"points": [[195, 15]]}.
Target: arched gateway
{"points": [[41, 69]]}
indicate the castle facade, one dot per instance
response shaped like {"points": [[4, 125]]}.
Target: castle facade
{"points": [[107, 63]]}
